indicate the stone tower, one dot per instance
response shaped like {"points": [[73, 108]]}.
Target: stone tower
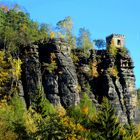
{"points": [[116, 40]]}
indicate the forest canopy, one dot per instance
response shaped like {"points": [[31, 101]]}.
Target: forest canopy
{"points": [[17, 30]]}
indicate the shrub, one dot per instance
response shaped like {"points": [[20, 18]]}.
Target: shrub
{"points": [[84, 112], [131, 133], [113, 71], [32, 121], [56, 127], [50, 67], [10, 72], [74, 58], [113, 51], [11, 119], [53, 126], [94, 71]]}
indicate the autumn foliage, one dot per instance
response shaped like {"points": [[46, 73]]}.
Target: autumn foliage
{"points": [[42, 120]]}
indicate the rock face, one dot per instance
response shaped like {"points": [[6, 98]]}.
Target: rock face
{"points": [[119, 88], [60, 84], [31, 73], [49, 64], [127, 80]]}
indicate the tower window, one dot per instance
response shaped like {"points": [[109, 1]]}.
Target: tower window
{"points": [[118, 42]]}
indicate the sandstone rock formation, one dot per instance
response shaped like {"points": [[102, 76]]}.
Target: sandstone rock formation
{"points": [[49, 64]]}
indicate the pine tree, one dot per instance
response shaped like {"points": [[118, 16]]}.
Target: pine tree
{"points": [[41, 104], [106, 127]]}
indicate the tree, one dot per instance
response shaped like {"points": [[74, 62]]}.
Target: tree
{"points": [[44, 31], [17, 29], [41, 105], [10, 71], [106, 126], [100, 43], [2, 18], [11, 119], [84, 40], [84, 112], [65, 27]]}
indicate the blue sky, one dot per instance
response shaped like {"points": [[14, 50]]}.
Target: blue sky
{"points": [[101, 17]]}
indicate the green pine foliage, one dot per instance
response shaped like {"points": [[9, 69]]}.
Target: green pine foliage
{"points": [[106, 126], [41, 105]]}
